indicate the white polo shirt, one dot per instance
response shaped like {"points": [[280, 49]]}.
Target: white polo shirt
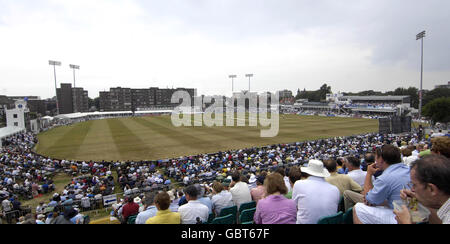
{"points": [[358, 175], [241, 194], [193, 209], [315, 198]]}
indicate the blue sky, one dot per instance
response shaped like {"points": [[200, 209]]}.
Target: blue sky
{"points": [[288, 44]]}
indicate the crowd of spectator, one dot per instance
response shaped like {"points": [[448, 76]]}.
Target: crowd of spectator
{"points": [[305, 181], [299, 183]]}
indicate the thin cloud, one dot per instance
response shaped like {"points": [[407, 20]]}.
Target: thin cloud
{"points": [[351, 45]]}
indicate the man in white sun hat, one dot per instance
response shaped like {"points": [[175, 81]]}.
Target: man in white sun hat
{"points": [[315, 197]]}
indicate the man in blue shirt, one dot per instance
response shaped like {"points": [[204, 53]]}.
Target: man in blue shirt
{"points": [[205, 200], [150, 209], [379, 195], [45, 188]]}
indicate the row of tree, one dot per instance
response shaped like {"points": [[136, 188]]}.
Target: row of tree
{"points": [[438, 110], [314, 96]]}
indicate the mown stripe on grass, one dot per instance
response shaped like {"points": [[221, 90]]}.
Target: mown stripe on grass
{"points": [[176, 134], [128, 144], [98, 145], [245, 136], [48, 138], [66, 147]]}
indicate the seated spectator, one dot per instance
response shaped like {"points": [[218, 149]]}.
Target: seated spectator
{"points": [[252, 182], [40, 219], [66, 217], [295, 174], [16, 204], [203, 198], [419, 148], [52, 203], [78, 218], [377, 201], [259, 192], [441, 146], [182, 200], [353, 165], [29, 220], [173, 201], [341, 181], [138, 201], [221, 198], [342, 168], [149, 209], [239, 190], [275, 208], [85, 202], [430, 179], [193, 209], [315, 198], [6, 205], [51, 217], [21, 220], [282, 172], [68, 202], [130, 209], [40, 208], [164, 215]]}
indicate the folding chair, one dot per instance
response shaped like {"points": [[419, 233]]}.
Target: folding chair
{"points": [[132, 220], [229, 210], [247, 215], [341, 206], [332, 219], [86, 219], [211, 218], [225, 220], [347, 218], [247, 223], [247, 205]]}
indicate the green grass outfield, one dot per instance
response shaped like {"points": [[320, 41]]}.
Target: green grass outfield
{"points": [[152, 138]]}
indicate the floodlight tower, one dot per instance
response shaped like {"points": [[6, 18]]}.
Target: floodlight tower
{"points": [[55, 63], [74, 67], [420, 36], [249, 76], [232, 77]]}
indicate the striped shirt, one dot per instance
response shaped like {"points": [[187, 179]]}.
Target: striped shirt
{"points": [[444, 212]]}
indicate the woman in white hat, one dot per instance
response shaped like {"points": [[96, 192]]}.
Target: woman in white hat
{"points": [[315, 198]]}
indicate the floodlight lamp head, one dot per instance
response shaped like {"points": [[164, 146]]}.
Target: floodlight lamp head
{"points": [[57, 63], [420, 35]]}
